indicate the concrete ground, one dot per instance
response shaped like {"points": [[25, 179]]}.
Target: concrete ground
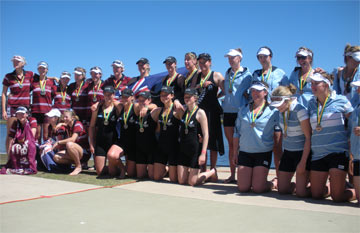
{"points": [[31, 204]]}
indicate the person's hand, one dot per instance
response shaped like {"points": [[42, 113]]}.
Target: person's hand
{"points": [[234, 160], [58, 126], [178, 105], [357, 131], [206, 84], [56, 144], [94, 106], [200, 138], [5, 116], [202, 159], [300, 169], [319, 70], [143, 112], [92, 150]]}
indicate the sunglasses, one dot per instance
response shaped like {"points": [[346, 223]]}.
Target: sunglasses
{"points": [[301, 57]]}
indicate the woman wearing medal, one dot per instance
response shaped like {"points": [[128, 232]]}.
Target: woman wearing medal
{"points": [[299, 76], [343, 76], [146, 142], [43, 92], [62, 100], [192, 153], [208, 83], [354, 127], [79, 95], [168, 144], [296, 131], [191, 64], [118, 80], [274, 77], [94, 90], [251, 153], [126, 143], [329, 141], [237, 82], [103, 134], [18, 82]]}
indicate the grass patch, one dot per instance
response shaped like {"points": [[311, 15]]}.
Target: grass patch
{"points": [[85, 177]]}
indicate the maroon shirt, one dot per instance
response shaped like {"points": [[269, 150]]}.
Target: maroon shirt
{"points": [[19, 96], [42, 103]]}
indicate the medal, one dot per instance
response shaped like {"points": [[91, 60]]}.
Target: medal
{"points": [[20, 85], [141, 130], [230, 91], [203, 80], [107, 115], [126, 116], [164, 127], [186, 131], [106, 122], [266, 78], [190, 77], [252, 124], [254, 117], [301, 92], [285, 135], [78, 92], [42, 93], [303, 81], [77, 99], [232, 81], [166, 117], [94, 99], [21, 81], [63, 102], [188, 118], [126, 126], [42, 86], [318, 128], [141, 119], [171, 80]]}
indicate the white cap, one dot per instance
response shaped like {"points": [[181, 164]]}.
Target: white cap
{"points": [[303, 52], [43, 64], [279, 100], [65, 74], [263, 51], [54, 112], [258, 86], [233, 53], [355, 83], [319, 78], [96, 70], [355, 55], [118, 63], [18, 58]]}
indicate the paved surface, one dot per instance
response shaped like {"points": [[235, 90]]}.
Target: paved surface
{"points": [[162, 207]]}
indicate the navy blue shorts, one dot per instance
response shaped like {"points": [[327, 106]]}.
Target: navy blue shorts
{"points": [[290, 160], [333, 160], [255, 159], [356, 167]]}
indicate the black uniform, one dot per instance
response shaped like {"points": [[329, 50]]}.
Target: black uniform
{"points": [[106, 135], [146, 144]]}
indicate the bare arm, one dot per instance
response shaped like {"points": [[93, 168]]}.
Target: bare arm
{"points": [[92, 130], [3, 103], [219, 81], [306, 128], [201, 118]]}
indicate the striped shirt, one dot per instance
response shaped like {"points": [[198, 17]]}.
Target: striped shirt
{"points": [[118, 85], [18, 96], [355, 140], [58, 103], [307, 92], [80, 107], [340, 84], [42, 103], [277, 78], [250, 138], [332, 138], [94, 93], [295, 139], [82, 138], [234, 98]]}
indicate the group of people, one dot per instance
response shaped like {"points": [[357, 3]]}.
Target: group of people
{"points": [[309, 121]]}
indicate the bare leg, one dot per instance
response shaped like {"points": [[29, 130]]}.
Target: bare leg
{"points": [[131, 168], [357, 187], [38, 133], [75, 152], [159, 171], [318, 184], [62, 158], [173, 174], [141, 171], [337, 186], [10, 121], [229, 132], [260, 184], [100, 162], [150, 170], [115, 162], [45, 131], [244, 177], [197, 178], [302, 181], [203, 167], [183, 174], [285, 186]]}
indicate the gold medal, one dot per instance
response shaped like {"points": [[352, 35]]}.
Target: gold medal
{"points": [[252, 124], [186, 131], [94, 99], [141, 130], [318, 128], [301, 92]]}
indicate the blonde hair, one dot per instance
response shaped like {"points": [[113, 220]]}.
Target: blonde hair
{"points": [[284, 90], [350, 48], [72, 113], [328, 76], [192, 55]]}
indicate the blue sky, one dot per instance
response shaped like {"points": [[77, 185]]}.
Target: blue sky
{"points": [[67, 34]]}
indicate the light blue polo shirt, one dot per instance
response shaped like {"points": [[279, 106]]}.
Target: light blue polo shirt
{"points": [[250, 139], [339, 84], [277, 78], [333, 137], [235, 99], [295, 139], [307, 92], [355, 140]]}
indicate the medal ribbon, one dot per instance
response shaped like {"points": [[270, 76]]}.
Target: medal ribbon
{"points": [[97, 89], [127, 114], [322, 110], [118, 84], [285, 122], [252, 114], [303, 81], [203, 80], [78, 91], [107, 115], [141, 120], [232, 80], [43, 84], [190, 76], [165, 121], [63, 95], [21, 79], [187, 118], [170, 80], [267, 75]]}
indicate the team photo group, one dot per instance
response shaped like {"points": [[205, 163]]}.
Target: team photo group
{"points": [[149, 127]]}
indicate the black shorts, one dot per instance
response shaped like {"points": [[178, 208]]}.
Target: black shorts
{"points": [[166, 157], [144, 158], [290, 160], [129, 150], [101, 150], [40, 118], [255, 159], [333, 160], [356, 167], [229, 119]]}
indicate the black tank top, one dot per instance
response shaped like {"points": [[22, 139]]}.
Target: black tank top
{"points": [[128, 133], [146, 140], [178, 89], [208, 96], [194, 128], [171, 134], [106, 132]]}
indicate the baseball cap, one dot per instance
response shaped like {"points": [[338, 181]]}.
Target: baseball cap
{"points": [[204, 56], [145, 94], [143, 60], [167, 89], [190, 91], [43, 64], [170, 59], [127, 92], [118, 63], [109, 89]]}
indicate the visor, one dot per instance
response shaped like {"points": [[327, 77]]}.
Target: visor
{"points": [[355, 84], [263, 51], [233, 53], [54, 112], [355, 55], [318, 78], [277, 101], [303, 52], [18, 58], [258, 86]]}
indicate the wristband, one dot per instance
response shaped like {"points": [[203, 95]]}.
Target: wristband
{"points": [[203, 152]]}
